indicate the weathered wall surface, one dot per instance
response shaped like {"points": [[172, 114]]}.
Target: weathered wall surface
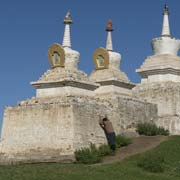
{"points": [[32, 131], [167, 97], [86, 121], [51, 129], [127, 112], [124, 113], [132, 111]]}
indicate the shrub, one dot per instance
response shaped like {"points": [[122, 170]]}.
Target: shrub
{"points": [[88, 155], [104, 150], [152, 163], [150, 129], [93, 154], [163, 131], [122, 141]]}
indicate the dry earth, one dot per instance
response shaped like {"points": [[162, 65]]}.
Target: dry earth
{"points": [[140, 144]]}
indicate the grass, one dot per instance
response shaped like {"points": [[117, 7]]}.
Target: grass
{"points": [[124, 170]]}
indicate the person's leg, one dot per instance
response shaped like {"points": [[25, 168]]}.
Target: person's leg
{"points": [[108, 137], [112, 141]]}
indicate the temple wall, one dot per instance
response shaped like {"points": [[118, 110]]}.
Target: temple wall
{"points": [[123, 112], [167, 97], [51, 130], [86, 123], [41, 131], [127, 112]]}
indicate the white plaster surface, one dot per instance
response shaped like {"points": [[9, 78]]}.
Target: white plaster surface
{"points": [[161, 78], [111, 90], [71, 58], [67, 36], [109, 45], [165, 28], [166, 45], [63, 91]]}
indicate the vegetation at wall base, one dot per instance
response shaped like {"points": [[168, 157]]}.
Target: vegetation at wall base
{"points": [[89, 155], [104, 150], [92, 154], [122, 141], [150, 129]]}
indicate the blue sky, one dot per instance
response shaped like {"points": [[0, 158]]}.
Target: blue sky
{"points": [[29, 27]]}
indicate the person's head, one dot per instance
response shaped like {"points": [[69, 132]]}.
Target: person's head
{"points": [[105, 119]]}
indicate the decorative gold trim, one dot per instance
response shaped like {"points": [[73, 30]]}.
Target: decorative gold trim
{"points": [[105, 55], [68, 19], [60, 50]]}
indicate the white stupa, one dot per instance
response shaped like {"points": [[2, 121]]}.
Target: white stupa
{"points": [[164, 65], [107, 69], [64, 78], [160, 83]]}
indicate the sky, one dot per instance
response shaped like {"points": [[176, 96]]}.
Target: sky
{"points": [[29, 27]]}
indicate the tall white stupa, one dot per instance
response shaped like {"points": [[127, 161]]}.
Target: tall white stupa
{"points": [[107, 70], [160, 73], [64, 115], [64, 78], [59, 119], [164, 65]]}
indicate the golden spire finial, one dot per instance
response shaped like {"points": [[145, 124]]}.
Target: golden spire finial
{"points": [[67, 19], [109, 25]]}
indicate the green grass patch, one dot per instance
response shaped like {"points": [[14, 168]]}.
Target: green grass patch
{"points": [[152, 163], [127, 169]]}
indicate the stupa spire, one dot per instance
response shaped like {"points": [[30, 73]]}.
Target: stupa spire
{"points": [[165, 27], [67, 37], [109, 45]]}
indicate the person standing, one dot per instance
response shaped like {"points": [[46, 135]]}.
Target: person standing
{"points": [[107, 126]]}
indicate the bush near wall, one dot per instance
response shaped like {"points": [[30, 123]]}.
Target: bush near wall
{"points": [[88, 155], [150, 129], [122, 141], [92, 154]]}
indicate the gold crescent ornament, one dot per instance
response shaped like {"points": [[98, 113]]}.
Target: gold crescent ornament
{"points": [[56, 55], [101, 59]]}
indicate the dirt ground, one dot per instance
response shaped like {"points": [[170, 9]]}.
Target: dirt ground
{"points": [[140, 144]]}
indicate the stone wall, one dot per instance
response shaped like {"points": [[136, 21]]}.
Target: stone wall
{"points": [[86, 122], [39, 130], [51, 129], [127, 112], [123, 112], [167, 97]]}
